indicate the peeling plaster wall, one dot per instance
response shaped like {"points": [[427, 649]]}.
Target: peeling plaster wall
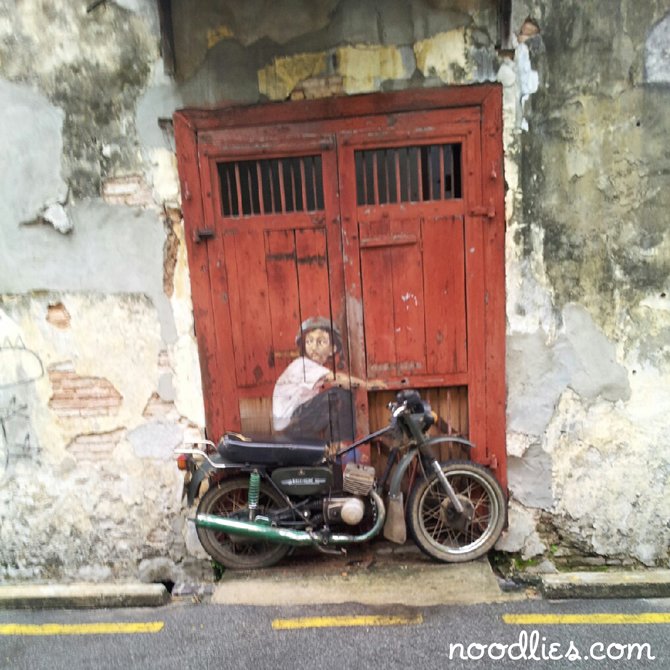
{"points": [[99, 374], [587, 272], [266, 50]]}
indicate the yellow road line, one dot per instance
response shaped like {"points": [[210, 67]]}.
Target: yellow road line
{"points": [[340, 621], [80, 628], [601, 618]]}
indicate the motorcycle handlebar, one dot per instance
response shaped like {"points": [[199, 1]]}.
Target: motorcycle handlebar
{"points": [[409, 402]]}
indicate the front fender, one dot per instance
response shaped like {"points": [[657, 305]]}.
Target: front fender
{"points": [[396, 480], [441, 439]]}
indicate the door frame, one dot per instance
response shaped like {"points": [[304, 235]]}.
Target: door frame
{"points": [[199, 131]]}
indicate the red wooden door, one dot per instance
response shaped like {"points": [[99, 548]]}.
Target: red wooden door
{"points": [[274, 263], [405, 194], [386, 225]]}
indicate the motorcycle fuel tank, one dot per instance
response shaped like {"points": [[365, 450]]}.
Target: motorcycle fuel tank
{"points": [[303, 481]]}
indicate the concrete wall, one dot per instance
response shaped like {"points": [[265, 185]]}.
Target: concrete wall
{"points": [[588, 278], [98, 365], [99, 374]]}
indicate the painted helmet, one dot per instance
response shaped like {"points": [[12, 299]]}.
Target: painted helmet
{"points": [[322, 323]]}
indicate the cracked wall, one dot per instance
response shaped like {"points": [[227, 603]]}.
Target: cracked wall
{"points": [[587, 284], [99, 375], [95, 283]]}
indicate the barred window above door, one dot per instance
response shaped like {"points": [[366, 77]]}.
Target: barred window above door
{"points": [[408, 174], [271, 186]]}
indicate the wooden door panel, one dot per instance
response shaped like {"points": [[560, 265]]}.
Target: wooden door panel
{"points": [[444, 281], [393, 302], [312, 268], [283, 296], [281, 279], [249, 308], [409, 297], [377, 288]]}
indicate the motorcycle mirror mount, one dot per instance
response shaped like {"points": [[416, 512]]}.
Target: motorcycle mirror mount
{"points": [[400, 409]]}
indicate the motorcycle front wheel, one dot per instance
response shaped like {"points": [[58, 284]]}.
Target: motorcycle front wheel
{"points": [[444, 534], [230, 498]]}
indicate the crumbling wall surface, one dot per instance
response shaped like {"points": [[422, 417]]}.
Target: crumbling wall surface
{"points": [[98, 365], [99, 376], [303, 48], [589, 279]]}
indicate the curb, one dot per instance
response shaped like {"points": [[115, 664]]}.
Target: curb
{"points": [[82, 595], [611, 584]]}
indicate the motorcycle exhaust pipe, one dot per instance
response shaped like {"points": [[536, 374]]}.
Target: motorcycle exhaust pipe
{"points": [[295, 538]]}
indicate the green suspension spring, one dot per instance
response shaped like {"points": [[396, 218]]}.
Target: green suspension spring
{"points": [[254, 491]]}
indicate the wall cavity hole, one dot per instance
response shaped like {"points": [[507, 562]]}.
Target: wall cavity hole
{"points": [[58, 316], [663, 295]]}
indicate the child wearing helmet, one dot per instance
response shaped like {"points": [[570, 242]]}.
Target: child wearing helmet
{"points": [[302, 405]]}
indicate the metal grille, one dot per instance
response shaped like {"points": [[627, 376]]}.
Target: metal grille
{"points": [[271, 186], [408, 174]]}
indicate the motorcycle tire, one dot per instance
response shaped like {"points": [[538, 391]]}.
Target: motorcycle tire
{"points": [[443, 534], [235, 552]]}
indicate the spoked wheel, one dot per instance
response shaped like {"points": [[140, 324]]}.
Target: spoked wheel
{"points": [[229, 499], [443, 533]]}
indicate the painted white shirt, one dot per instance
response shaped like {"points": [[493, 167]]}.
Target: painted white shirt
{"points": [[295, 386]]}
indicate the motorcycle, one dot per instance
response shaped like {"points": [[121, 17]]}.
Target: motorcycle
{"points": [[264, 498]]}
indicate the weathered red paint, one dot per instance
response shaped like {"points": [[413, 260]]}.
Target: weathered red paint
{"points": [[416, 288]]}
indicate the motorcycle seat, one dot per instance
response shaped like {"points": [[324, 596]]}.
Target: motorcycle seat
{"points": [[236, 448]]}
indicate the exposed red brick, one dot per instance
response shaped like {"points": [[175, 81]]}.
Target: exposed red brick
{"points": [[74, 395], [94, 446]]}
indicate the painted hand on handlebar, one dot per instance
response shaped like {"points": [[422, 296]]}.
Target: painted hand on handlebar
{"points": [[346, 381]]}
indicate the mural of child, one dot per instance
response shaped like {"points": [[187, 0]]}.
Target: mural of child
{"points": [[303, 405]]}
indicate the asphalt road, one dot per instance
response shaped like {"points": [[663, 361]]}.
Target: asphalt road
{"points": [[186, 635]]}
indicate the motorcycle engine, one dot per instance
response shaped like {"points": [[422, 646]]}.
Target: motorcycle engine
{"points": [[345, 510], [357, 480]]}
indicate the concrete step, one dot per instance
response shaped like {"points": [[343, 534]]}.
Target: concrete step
{"points": [[412, 582]]}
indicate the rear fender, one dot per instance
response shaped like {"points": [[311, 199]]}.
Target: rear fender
{"points": [[204, 471]]}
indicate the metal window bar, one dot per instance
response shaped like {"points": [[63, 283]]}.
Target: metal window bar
{"points": [[271, 186], [259, 188], [408, 174]]}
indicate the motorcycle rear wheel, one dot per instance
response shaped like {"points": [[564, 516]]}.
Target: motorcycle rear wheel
{"points": [[230, 497], [443, 534]]}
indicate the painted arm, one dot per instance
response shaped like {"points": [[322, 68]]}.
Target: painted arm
{"points": [[346, 381]]}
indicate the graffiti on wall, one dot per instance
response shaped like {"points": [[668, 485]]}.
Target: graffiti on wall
{"points": [[20, 368]]}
